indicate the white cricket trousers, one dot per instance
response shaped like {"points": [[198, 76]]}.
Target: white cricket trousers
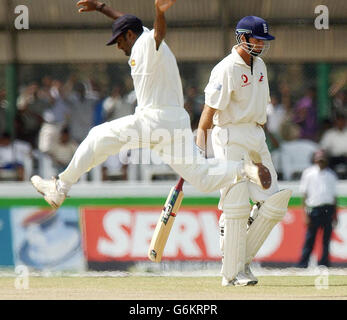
{"points": [[232, 142], [166, 130]]}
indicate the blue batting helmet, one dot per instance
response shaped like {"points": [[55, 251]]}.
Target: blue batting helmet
{"points": [[255, 27]]}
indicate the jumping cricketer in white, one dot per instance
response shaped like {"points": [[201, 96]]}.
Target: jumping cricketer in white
{"points": [[159, 119], [236, 98]]}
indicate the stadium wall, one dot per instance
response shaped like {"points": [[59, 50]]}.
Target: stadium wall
{"points": [[108, 226]]}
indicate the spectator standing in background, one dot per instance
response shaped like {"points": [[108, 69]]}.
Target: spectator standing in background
{"points": [[276, 114], [305, 115], [63, 150], [14, 155], [334, 142], [45, 89], [99, 95], [115, 106], [81, 112], [55, 118], [282, 111], [31, 105], [318, 185], [340, 103]]}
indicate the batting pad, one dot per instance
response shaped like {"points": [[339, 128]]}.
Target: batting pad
{"points": [[270, 213], [236, 211]]}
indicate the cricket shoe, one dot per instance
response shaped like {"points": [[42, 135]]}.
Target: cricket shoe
{"points": [[240, 280], [49, 190], [253, 280], [255, 171]]}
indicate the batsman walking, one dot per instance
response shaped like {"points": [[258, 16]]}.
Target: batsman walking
{"points": [[159, 119], [236, 98]]}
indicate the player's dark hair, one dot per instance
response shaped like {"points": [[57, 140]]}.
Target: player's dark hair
{"points": [[137, 30]]}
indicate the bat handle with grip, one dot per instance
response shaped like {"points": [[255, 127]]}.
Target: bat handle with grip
{"points": [[179, 184]]}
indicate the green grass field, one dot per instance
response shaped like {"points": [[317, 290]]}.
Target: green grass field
{"points": [[172, 288]]}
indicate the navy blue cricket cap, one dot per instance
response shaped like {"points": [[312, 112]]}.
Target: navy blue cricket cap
{"points": [[254, 26], [123, 24]]}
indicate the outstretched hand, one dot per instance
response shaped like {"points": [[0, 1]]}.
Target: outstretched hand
{"points": [[87, 5], [163, 5]]}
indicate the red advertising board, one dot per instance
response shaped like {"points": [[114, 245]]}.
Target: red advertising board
{"points": [[124, 234]]}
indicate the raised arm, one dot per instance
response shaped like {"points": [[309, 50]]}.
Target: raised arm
{"points": [[160, 23], [94, 5]]}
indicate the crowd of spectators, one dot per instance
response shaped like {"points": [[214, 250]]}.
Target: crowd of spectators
{"points": [[53, 117], [294, 125]]}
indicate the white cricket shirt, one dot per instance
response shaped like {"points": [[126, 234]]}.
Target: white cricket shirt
{"points": [[335, 142], [155, 73], [238, 96], [319, 186]]}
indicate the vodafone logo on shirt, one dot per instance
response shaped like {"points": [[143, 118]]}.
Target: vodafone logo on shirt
{"points": [[244, 79]]}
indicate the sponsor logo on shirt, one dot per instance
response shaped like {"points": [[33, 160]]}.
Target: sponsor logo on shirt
{"points": [[245, 81], [261, 77]]}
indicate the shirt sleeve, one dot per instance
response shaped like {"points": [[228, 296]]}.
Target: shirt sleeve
{"points": [[150, 52], [218, 89], [151, 45], [303, 182], [334, 183]]}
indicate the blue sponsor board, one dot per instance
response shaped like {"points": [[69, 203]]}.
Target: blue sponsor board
{"points": [[6, 253], [45, 239]]}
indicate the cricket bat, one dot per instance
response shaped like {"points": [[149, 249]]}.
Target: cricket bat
{"points": [[165, 222]]}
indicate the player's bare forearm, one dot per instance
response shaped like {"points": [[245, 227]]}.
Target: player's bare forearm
{"points": [[111, 13], [160, 22], [159, 27], [94, 5], [205, 123]]}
